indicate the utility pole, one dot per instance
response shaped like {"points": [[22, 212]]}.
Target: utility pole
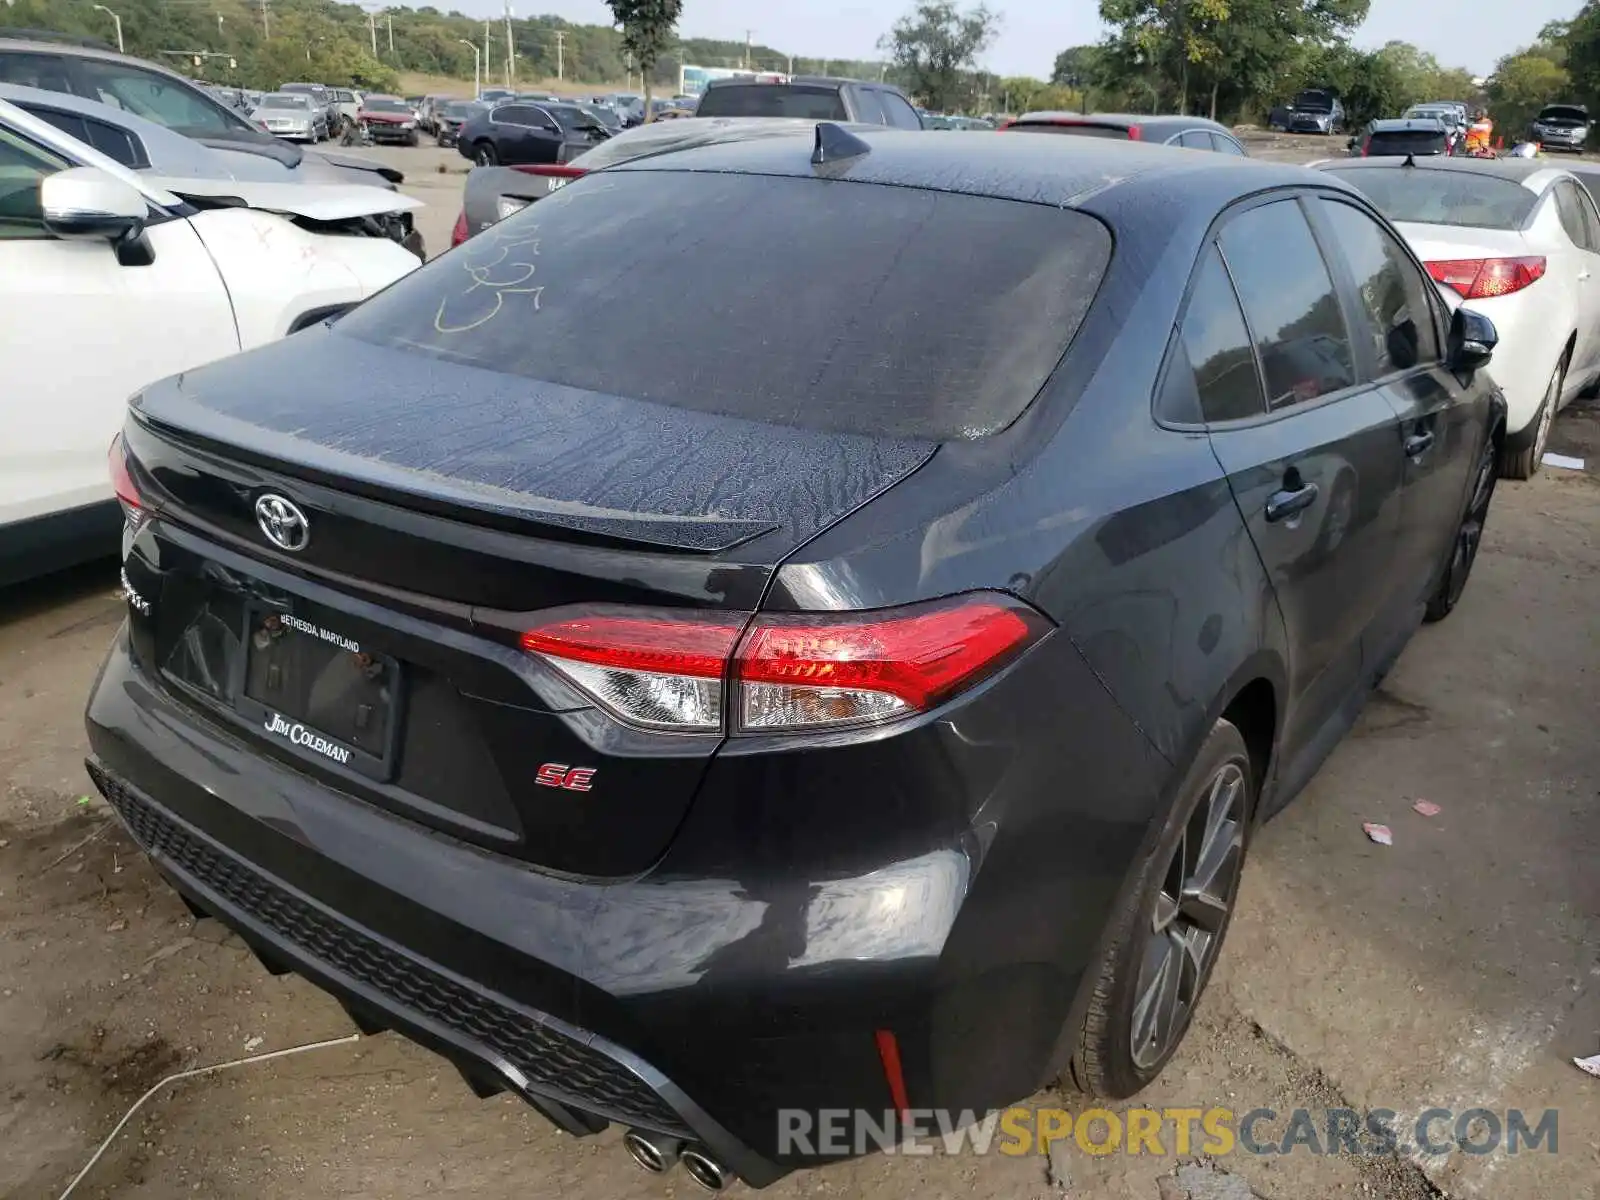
{"points": [[389, 17], [477, 66], [511, 51], [372, 28], [561, 58], [266, 23], [486, 49], [219, 27], [748, 34], [118, 20]]}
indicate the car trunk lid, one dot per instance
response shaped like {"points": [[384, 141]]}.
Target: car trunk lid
{"points": [[447, 506]]}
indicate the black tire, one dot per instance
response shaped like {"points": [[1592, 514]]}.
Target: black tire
{"points": [[1469, 534], [412, 139], [483, 153], [1147, 928], [1519, 459]]}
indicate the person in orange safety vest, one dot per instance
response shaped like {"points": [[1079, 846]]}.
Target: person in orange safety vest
{"points": [[1479, 134]]}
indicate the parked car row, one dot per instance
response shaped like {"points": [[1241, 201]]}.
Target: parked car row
{"points": [[816, 675]]}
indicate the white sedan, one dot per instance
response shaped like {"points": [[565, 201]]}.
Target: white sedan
{"points": [[1521, 240], [110, 281]]}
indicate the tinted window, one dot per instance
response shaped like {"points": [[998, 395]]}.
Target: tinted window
{"points": [[829, 305], [1224, 144], [1289, 300], [158, 98], [1405, 141], [1212, 376], [116, 143], [1392, 292], [1443, 197], [810, 102], [22, 166], [869, 110], [1195, 139], [1099, 131], [517, 114], [388, 106], [70, 124], [287, 100], [901, 115], [43, 71]]}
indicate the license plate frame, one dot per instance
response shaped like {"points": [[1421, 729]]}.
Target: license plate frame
{"points": [[292, 726]]}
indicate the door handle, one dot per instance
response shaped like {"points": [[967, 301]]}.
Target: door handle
{"points": [[1418, 443], [1288, 502]]}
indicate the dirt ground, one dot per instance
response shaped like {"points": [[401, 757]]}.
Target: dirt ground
{"points": [[1457, 968]]}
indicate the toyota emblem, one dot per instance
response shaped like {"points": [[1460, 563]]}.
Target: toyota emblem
{"points": [[284, 524]]}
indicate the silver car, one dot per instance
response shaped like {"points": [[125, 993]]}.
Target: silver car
{"points": [[293, 116]]}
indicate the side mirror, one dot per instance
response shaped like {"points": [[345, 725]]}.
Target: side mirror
{"points": [[1472, 340], [88, 204]]}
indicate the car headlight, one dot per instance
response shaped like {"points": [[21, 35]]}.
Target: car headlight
{"points": [[408, 124]]}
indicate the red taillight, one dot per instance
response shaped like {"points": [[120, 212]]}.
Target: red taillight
{"points": [[1366, 148], [1485, 278], [133, 504], [556, 170], [1135, 133], [666, 669], [461, 232]]}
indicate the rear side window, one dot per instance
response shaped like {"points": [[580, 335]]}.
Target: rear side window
{"points": [[869, 110], [1442, 196], [47, 72], [1195, 139], [901, 115], [1290, 303], [806, 101], [1212, 376], [1569, 207], [1224, 144], [1391, 290], [827, 305]]}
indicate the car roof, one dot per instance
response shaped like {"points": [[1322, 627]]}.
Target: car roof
{"points": [[1532, 173], [1061, 172], [1114, 120]]}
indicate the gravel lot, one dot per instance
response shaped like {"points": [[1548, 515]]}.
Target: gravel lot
{"points": [[1456, 968]]}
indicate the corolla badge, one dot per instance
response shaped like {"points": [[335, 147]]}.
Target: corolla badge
{"points": [[284, 524]]}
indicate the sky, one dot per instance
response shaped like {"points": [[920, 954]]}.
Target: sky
{"points": [[1032, 31]]}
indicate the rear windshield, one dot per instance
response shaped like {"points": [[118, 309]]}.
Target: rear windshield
{"points": [[1405, 142], [809, 102], [827, 305], [1099, 131], [385, 105], [1434, 197], [286, 100]]}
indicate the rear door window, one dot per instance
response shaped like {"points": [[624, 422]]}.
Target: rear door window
{"points": [[1212, 376], [1391, 291], [1569, 207], [1224, 144], [1195, 139], [1290, 303], [827, 305]]}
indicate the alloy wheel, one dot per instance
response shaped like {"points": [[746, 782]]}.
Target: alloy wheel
{"points": [[1190, 913], [1470, 534]]}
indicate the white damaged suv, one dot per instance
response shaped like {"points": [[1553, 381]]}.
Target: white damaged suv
{"points": [[110, 280]]}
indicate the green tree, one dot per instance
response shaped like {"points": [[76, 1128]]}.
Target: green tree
{"points": [[1171, 36], [647, 31], [1521, 85], [935, 48]]}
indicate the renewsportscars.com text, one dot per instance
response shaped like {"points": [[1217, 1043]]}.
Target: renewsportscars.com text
{"points": [[1212, 1131]]}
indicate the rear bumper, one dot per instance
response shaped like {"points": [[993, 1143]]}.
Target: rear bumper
{"points": [[696, 1002]]}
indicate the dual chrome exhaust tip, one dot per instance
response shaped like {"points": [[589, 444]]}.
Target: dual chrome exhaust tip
{"points": [[658, 1153]]}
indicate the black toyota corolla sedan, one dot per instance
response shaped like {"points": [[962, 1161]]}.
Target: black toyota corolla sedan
{"points": [[852, 685]]}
